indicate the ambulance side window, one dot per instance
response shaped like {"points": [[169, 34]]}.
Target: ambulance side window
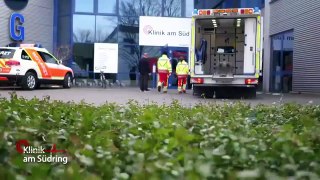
{"points": [[48, 58], [25, 56]]}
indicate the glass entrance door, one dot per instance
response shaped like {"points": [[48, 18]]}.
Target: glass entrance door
{"points": [[282, 62]]}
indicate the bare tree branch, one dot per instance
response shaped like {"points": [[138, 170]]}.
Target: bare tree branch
{"points": [[82, 36], [63, 53], [172, 8], [130, 12]]}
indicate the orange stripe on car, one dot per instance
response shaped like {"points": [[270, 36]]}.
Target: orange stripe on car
{"points": [[57, 78], [40, 63], [59, 72], [2, 64], [5, 70]]}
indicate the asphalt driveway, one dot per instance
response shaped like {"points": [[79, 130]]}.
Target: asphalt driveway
{"points": [[98, 96]]}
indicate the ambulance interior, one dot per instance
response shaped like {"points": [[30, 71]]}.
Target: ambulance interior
{"points": [[221, 47]]}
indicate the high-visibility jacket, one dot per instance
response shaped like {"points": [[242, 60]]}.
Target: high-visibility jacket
{"points": [[164, 64], [182, 68]]}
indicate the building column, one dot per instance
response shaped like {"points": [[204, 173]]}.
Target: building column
{"points": [[267, 51], [183, 8]]}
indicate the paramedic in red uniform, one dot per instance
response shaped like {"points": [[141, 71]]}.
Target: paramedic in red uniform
{"points": [[164, 71], [182, 72]]}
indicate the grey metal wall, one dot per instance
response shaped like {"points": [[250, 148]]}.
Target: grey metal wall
{"points": [[303, 17], [38, 23]]}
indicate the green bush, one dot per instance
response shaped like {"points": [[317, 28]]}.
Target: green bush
{"points": [[231, 141]]}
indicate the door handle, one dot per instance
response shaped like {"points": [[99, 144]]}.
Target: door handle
{"points": [[252, 58], [245, 40]]}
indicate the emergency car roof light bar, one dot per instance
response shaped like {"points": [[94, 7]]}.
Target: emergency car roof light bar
{"points": [[15, 44], [38, 45], [31, 45]]}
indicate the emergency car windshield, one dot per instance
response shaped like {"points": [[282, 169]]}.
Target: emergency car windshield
{"points": [[6, 53]]}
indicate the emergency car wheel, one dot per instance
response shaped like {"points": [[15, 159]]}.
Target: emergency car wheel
{"points": [[67, 81], [29, 81]]}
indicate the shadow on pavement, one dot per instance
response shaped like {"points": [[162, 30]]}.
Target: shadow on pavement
{"points": [[11, 88]]}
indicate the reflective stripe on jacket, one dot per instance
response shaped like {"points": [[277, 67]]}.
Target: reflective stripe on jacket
{"points": [[164, 64], [182, 68]]}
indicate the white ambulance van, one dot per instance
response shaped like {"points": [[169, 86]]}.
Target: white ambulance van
{"points": [[226, 52]]}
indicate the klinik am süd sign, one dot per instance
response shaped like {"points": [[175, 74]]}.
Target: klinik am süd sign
{"points": [[160, 31]]}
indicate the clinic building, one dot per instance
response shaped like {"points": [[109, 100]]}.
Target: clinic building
{"points": [[69, 28]]}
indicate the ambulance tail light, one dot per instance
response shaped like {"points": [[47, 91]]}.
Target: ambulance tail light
{"points": [[197, 80], [251, 81], [12, 63]]}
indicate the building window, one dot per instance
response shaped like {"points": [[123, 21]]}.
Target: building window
{"points": [[106, 29], [83, 28], [129, 7], [129, 30], [107, 6], [64, 29], [189, 8], [151, 7], [86, 6], [172, 8], [83, 59], [128, 61]]}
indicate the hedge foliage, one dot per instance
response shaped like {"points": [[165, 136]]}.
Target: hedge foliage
{"points": [[231, 141]]}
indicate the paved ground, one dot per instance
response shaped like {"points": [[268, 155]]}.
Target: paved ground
{"points": [[99, 96]]}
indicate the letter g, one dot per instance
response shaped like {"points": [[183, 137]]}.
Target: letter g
{"points": [[19, 28]]}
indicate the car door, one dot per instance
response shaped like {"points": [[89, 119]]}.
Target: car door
{"points": [[250, 46], [53, 65], [40, 65]]}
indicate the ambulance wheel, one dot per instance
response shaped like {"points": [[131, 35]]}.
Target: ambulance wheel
{"points": [[29, 81], [204, 92], [67, 81], [208, 94]]}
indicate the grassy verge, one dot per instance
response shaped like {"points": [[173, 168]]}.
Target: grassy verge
{"points": [[232, 141]]}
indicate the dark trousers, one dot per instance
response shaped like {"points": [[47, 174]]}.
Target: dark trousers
{"points": [[144, 81]]}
